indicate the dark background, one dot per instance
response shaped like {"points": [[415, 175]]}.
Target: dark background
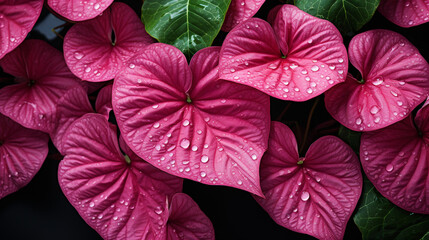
{"points": [[41, 211]]}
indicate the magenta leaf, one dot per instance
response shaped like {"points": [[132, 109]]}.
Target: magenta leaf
{"points": [[73, 105], [395, 160], [405, 13], [103, 103], [96, 50], [41, 77], [17, 18], [187, 122], [22, 153], [316, 194], [314, 60], [77, 10], [187, 221], [239, 11], [121, 197], [395, 80]]}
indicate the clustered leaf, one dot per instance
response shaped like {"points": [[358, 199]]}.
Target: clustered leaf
{"points": [[188, 110], [348, 15], [187, 25]]}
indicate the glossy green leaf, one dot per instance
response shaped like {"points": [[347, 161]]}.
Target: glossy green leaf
{"points": [[347, 15], [189, 25], [378, 218]]}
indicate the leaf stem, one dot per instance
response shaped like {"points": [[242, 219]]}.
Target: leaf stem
{"points": [[307, 127]]}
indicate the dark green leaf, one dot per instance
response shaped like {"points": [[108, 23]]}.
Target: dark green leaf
{"points": [[350, 137], [347, 15], [189, 25], [378, 218]]}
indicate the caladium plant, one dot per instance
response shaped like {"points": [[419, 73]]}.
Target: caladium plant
{"points": [[139, 130]]}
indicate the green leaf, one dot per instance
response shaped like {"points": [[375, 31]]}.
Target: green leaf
{"points": [[347, 15], [378, 218], [350, 137], [189, 25]]}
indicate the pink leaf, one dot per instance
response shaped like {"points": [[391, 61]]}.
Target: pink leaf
{"points": [[316, 194], [17, 18], [314, 58], [42, 77], [187, 221], [405, 13], [103, 103], [121, 197], [395, 160], [193, 126], [22, 153], [239, 11], [77, 10], [73, 105], [93, 54], [395, 80]]}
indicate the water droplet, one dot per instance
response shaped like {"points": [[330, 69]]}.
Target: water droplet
{"points": [[204, 159], [293, 66], [96, 6], [185, 143], [223, 100], [186, 123], [304, 72], [340, 60], [132, 66], [374, 109], [78, 55], [377, 119], [309, 90], [91, 204], [332, 67], [194, 148], [156, 125], [254, 157], [314, 68], [232, 70], [158, 210], [394, 93], [400, 103], [305, 196], [88, 69], [203, 174], [377, 82], [389, 167], [273, 66], [239, 182], [358, 121], [310, 41]]}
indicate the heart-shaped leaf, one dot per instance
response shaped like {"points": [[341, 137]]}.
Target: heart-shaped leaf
{"points": [[96, 50], [73, 105], [377, 218], [316, 194], [239, 11], [17, 18], [395, 80], [187, 25], [121, 197], [77, 10], [314, 58], [42, 77], [405, 13], [187, 122], [22, 153], [348, 15], [395, 160], [187, 221]]}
